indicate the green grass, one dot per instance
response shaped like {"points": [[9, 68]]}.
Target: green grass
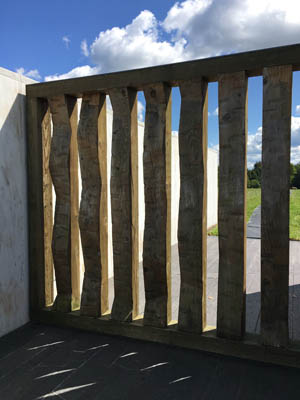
{"points": [[253, 200], [295, 215]]}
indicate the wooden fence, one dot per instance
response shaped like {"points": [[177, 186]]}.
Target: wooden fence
{"points": [[54, 159]]}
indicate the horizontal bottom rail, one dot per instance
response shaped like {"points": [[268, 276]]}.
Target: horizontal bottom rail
{"points": [[250, 348]]}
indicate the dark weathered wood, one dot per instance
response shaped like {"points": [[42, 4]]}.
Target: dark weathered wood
{"points": [[124, 103], [192, 222], [232, 205], [39, 203], [276, 141], [249, 349], [89, 216], [252, 61], [156, 240], [64, 173]]}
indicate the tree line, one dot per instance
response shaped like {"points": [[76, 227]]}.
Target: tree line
{"points": [[254, 176]]}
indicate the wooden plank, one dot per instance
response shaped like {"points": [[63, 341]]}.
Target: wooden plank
{"points": [[192, 222], [89, 215], [249, 349], [251, 61], [276, 142], [124, 103], [102, 152], [48, 208], [156, 255], [39, 203], [135, 209], [64, 172], [232, 205]]}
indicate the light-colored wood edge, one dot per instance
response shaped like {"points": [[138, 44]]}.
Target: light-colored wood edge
{"points": [[135, 209], [102, 152], [249, 349], [169, 204], [74, 194]]}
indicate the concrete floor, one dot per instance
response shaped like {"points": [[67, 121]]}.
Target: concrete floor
{"points": [[40, 362]]}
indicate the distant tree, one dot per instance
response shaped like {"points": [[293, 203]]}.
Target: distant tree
{"points": [[296, 177], [292, 173], [254, 184]]}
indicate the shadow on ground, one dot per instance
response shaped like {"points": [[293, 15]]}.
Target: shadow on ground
{"points": [[40, 362]]}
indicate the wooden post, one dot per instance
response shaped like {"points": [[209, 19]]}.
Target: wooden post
{"points": [[123, 201], [276, 142], [192, 222], [39, 203], [232, 205], [89, 216], [64, 172], [157, 184]]}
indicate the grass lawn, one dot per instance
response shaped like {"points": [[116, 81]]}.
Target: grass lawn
{"points": [[253, 200]]}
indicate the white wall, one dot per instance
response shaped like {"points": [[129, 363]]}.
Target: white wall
{"points": [[14, 273]]}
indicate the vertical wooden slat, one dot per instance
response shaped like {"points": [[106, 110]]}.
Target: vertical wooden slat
{"points": [[124, 103], [232, 205], [102, 152], [135, 209], [48, 208], [156, 251], [89, 216], [276, 141], [39, 203], [64, 173], [192, 222]]}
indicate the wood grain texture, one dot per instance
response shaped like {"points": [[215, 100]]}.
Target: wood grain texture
{"points": [[251, 61], [64, 173], [232, 205], [276, 141], [192, 222], [89, 215], [124, 103], [156, 254], [48, 208], [39, 203]]}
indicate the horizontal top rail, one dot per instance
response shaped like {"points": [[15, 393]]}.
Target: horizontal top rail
{"points": [[252, 62]]}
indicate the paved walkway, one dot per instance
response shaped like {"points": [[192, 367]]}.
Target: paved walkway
{"points": [[40, 362], [252, 285], [253, 226]]}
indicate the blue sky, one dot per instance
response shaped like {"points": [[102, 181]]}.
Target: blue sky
{"points": [[65, 39]]}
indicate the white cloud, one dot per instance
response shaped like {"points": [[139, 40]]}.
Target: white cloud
{"points": [[33, 73], [77, 72], [216, 112], [66, 41], [298, 109], [84, 48], [141, 111], [213, 27], [20, 70], [134, 46], [194, 29]]}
